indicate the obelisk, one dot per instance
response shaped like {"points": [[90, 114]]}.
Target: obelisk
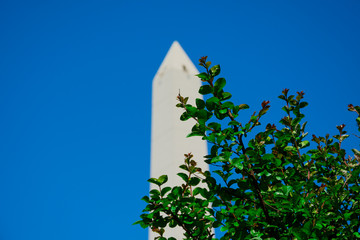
{"points": [[168, 134]]}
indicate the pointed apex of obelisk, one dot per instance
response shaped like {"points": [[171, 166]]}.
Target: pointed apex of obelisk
{"points": [[177, 59]]}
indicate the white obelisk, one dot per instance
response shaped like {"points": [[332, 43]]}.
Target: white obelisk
{"points": [[168, 133]]}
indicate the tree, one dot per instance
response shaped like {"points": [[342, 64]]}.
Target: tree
{"points": [[276, 185]]}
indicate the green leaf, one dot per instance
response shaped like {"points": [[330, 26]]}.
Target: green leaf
{"points": [[219, 84], [215, 70], [243, 106], [206, 89], [185, 116], [194, 134], [298, 234], [146, 199], [202, 116], [219, 115], [281, 97], [233, 123], [142, 224], [203, 76], [286, 190], [278, 178], [225, 96], [154, 192], [343, 137], [286, 109], [228, 105], [304, 144], [177, 190], [290, 148], [165, 190], [215, 126], [183, 176], [200, 104], [263, 111], [223, 111], [237, 163], [265, 172], [183, 166], [194, 181], [218, 159], [191, 110], [303, 104], [154, 181], [307, 227], [278, 162], [210, 138], [268, 156], [356, 152], [197, 190], [211, 102], [163, 179]]}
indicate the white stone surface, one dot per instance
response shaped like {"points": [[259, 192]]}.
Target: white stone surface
{"points": [[168, 133]]}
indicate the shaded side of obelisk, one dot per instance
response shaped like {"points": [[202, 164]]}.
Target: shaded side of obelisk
{"points": [[168, 133]]}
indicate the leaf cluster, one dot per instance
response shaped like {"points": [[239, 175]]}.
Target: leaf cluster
{"points": [[281, 184]]}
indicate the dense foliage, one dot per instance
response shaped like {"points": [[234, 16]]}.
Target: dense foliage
{"points": [[275, 185]]}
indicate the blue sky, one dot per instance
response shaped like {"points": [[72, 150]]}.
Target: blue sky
{"points": [[75, 95]]}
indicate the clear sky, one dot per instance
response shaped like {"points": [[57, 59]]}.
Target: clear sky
{"points": [[75, 95]]}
